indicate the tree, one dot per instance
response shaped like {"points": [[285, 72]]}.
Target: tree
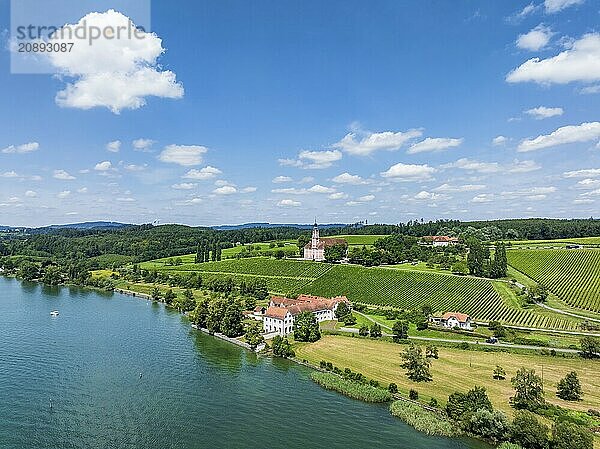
{"points": [[186, 302], [199, 254], [499, 373], [232, 323], [254, 335], [460, 267], [537, 293], [282, 347], [567, 435], [52, 275], [415, 364], [363, 331], [528, 432], [349, 320], [476, 257], [341, 311], [491, 424], [400, 331], [170, 296], [335, 253], [569, 387], [302, 241], [529, 390], [306, 327], [461, 405], [590, 347], [393, 388], [375, 330], [28, 271], [499, 265], [431, 352], [199, 315], [156, 295], [214, 318]]}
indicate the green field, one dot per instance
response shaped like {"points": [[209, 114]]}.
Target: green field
{"points": [[483, 299], [360, 240], [576, 240], [572, 275]]}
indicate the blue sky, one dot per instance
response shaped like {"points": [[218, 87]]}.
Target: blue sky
{"points": [[282, 111]]}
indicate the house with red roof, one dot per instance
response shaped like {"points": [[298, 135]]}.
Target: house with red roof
{"points": [[452, 320], [440, 240]]}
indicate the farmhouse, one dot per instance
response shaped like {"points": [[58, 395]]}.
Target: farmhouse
{"points": [[440, 240], [452, 320], [315, 249], [279, 316]]}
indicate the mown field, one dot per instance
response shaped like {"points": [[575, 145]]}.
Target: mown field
{"points": [[359, 240], [480, 298], [576, 240], [572, 275], [455, 370]]}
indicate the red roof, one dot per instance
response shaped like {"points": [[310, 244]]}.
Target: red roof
{"points": [[323, 243], [303, 303], [276, 312], [461, 317], [440, 238]]}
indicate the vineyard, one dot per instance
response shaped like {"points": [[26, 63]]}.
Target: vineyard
{"points": [[406, 288], [572, 275]]}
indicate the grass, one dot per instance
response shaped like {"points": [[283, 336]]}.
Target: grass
{"points": [[354, 390], [577, 240], [423, 420], [359, 240], [455, 370]]}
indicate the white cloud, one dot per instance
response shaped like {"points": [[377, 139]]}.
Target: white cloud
{"points": [[499, 140], [338, 196], [434, 144], [594, 89], [462, 188], [347, 178], [528, 9], [591, 193], [63, 175], [113, 146], [289, 203], [185, 155], [584, 173], [117, 73], [134, 167], [483, 198], [126, 199], [290, 191], [371, 142], [30, 194], [581, 62], [281, 179], [307, 180], [204, 173], [543, 112], [536, 39], [103, 166], [10, 174], [223, 182], [553, 6], [428, 196], [64, 194], [584, 132], [249, 189], [589, 183], [409, 172], [142, 144], [313, 159], [321, 189], [473, 165], [225, 190], [523, 166], [184, 186], [82, 190], [366, 198], [21, 149]]}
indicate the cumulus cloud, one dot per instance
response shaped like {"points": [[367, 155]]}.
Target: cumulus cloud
{"points": [[499, 140], [434, 144], [536, 39], [281, 179], [595, 89], [543, 112], [184, 155], [462, 188], [483, 198], [371, 142], [347, 178], [103, 166], [63, 175], [289, 203], [249, 189], [64, 194], [588, 183], [313, 159], [113, 146], [583, 173], [580, 62], [21, 149], [473, 165], [10, 174], [523, 166], [366, 198], [30, 194], [554, 6], [225, 190], [338, 196], [117, 73], [320, 189], [184, 186], [142, 144], [409, 172], [203, 174], [429, 196], [584, 132]]}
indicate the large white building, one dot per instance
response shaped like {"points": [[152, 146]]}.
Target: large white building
{"points": [[279, 316], [452, 320], [315, 249]]}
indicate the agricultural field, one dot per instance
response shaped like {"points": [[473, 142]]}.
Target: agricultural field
{"points": [[594, 241], [359, 240], [572, 275]]}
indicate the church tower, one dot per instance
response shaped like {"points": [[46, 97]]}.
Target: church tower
{"points": [[315, 236]]}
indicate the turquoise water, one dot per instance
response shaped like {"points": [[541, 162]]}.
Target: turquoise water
{"points": [[195, 391]]}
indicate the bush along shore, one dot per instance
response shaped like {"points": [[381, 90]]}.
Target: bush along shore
{"points": [[423, 420], [355, 390]]}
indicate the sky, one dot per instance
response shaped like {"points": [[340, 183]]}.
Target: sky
{"points": [[228, 112]]}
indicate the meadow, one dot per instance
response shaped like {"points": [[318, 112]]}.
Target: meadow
{"points": [[573, 275]]}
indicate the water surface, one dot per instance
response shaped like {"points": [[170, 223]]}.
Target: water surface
{"points": [[195, 391]]}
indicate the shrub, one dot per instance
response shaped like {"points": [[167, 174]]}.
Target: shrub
{"points": [[507, 445], [413, 394], [461, 405], [528, 432], [355, 390], [569, 388], [423, 420], [571, 436], [282, 348], [433, 402], [393, 388], [489, 424]]}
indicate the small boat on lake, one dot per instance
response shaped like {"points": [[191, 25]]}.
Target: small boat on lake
{"points": [[54, 313]]}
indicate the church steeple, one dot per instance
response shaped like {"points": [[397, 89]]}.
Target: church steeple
{"points": [[315, 236]]}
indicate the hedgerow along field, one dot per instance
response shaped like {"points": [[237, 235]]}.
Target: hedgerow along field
{"points": [[573, 275], [377, 286]]}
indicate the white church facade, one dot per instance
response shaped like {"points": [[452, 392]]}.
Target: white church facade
{"points": [[315, 249]]}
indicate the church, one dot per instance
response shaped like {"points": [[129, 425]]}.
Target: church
{"points": [[315, 249]]}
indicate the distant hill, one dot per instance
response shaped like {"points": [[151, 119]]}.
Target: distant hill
{"points": [[275, 225], [82, 226]]}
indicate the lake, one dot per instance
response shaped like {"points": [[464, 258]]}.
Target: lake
{"points": [[195, 391]]}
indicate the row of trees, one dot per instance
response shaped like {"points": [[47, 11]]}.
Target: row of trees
{"points": [[481, 263], [206, 252]]}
